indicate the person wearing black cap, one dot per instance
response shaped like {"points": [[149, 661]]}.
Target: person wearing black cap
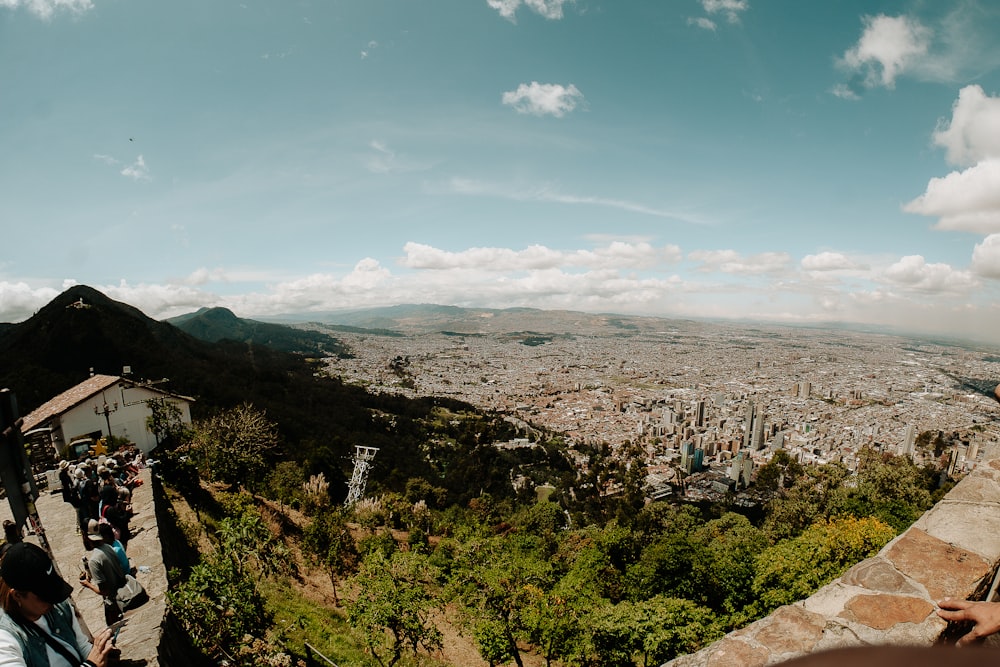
{"points": [[38, 627]]}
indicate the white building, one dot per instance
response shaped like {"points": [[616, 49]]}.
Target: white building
{"points": [[101, 402]]}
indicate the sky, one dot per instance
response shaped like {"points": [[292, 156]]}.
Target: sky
{"points": [[775, 160]]}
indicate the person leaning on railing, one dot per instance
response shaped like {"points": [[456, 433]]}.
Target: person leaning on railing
{"points": [[984, 616]]}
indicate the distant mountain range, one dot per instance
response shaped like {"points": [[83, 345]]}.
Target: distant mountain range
{"points": [[409, 319], [215, 324]]}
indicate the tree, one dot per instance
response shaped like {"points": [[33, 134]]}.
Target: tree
{"points": [[558, 619], [495, 582], [777, 474], [815, 494], [732, 544], [393, 609], [655, 630], [675, 564], [795, 568], [891, 488], [166, 423], [286, 481], [220, 604], [329, 541], [236, 446]]}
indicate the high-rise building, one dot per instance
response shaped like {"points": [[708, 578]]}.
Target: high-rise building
{"points": [[687, 453], [746, 472], [748, 415], [757, 437], [736, 467], [779, 440], [698, 460], [909, 437]]}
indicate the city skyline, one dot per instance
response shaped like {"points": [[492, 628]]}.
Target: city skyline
{"points": [[775, 161]]}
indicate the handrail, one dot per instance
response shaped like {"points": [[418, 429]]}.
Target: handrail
{"points": [[312, 649]]}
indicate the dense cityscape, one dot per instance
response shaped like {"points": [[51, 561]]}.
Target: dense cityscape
{"points": [[710, 400]]}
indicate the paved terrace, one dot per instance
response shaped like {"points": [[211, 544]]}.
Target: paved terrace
{"points": [[140, 639], [951, 551]]}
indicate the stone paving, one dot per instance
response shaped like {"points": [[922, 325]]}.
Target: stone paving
{"points": [[140, 638]]}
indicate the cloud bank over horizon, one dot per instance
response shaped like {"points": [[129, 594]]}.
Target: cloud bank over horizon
{"points": [[619, 276]]}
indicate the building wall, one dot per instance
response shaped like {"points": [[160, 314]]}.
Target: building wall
{"points": [[127, 421]]}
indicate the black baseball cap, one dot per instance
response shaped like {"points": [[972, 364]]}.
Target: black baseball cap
{"points": [[25, 567]]}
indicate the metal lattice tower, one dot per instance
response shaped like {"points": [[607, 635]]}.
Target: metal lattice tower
{"points": [[362, 464]]}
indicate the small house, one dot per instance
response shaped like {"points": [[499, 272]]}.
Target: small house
{"points": [[99, 406]]}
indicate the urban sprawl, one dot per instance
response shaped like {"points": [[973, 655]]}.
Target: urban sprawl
{"points": [[707, 403]]}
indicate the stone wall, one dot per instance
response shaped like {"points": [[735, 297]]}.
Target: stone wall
{"points": [[951, 551]]}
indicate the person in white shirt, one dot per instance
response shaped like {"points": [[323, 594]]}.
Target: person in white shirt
{"points": [[38, 626]]}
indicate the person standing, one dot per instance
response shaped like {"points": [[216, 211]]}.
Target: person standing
{"points": [[38, 626], [105, 574]]}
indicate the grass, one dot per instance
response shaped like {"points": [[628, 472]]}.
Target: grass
{"points": [[298, 620]]}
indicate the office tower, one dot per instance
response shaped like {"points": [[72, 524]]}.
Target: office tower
{"points": [[909, 437], [757, 437], [746, 472], [779, 440], [687, 452], [698, 460], [748, 415], [699, 414], [736, 467]]}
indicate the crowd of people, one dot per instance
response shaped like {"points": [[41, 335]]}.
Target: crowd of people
{"points": [[101, 490], [39, 627]]}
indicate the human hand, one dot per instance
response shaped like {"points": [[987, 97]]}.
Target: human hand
{"points": [[104, 652], [984, 616]]}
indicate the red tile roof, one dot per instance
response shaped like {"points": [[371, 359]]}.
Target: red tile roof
{"points": [[68, 399]]}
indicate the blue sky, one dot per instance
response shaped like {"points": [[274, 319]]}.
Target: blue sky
{"points": [[799, 162]]}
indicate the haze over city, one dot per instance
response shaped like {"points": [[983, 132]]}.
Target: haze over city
{"points": [[782, 161]]}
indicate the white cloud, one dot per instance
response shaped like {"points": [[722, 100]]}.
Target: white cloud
{"points": [[913, 273], [974, 131], [889, 46], [46, 9], [628, 276], [702, 22], [731, 9], [159, 301], [967, 200], [615, 255], [844, 92], [963, 200], [19, 301], [730, 261], [137, 171], [540, 99], [986, 257], [550, 9], [828, 261], [100, 157], [507, 8]]}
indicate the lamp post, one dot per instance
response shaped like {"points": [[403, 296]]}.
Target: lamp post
{"points": [[106, 411]]}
